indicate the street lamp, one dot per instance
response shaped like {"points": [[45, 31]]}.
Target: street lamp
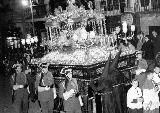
{"points": [[25, 2], [29, 3]]}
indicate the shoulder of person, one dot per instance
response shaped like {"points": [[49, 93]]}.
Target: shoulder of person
{"points": [[130, 90], [138, 88]]}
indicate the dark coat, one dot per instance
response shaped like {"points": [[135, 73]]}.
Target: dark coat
{"points": [[156, 43], [148, 50]]}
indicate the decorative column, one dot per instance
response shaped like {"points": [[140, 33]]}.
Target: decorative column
{"points": [[101, 23]]}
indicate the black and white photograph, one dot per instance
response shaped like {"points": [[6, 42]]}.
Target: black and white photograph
{"points": [[79, 56]]}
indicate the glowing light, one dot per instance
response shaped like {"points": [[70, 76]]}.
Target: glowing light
{"points": [[23, 41], [35, 39], [132, 28], [32, 40], [25, 2], [124, 27], [28, 41], [29, 36]]}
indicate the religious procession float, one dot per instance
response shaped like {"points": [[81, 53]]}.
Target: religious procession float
{"points": [[78, 38]]}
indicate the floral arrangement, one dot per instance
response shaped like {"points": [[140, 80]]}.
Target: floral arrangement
{"points": [[90, 56]]}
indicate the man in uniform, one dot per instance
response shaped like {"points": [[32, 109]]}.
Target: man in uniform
{"points": [[68, 91], [19, 83], [46, 90]]}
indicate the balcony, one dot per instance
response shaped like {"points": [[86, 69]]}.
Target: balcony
{"points": [[145, 6], [39, 12], [116, 7]]}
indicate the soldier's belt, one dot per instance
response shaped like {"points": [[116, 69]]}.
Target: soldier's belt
{"points": [[46, 86], [106, 93]]}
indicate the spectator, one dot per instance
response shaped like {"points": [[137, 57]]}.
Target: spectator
{"points": [[150, 95], [140, 42], [148, 51], [134, 98], [156, 42], [156, 75], [141, 63]]}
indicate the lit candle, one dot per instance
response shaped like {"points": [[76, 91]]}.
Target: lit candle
{"points": [[132, 28], [101, 26], [50, 32], [94, 25], [104, 24], [124, 24]]}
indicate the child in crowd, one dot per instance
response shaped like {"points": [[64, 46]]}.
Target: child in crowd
{"points": [[156, 76], [134, 98]]}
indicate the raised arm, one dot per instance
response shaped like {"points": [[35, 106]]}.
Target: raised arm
{"points": [[65, 94]]}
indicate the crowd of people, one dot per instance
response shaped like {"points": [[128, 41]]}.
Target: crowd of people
{"points": [[40, 88], [32, 86], [143, 96]]}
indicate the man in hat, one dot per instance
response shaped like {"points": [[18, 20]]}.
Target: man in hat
{"points": [[69, 91], [19, 83], [46, 90]]}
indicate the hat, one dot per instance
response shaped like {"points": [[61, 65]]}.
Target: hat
{"points": [[65, 70], [44, 65], [139, 52]]}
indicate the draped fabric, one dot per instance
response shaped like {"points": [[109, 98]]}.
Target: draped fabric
{"points": [[110, 95]]}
